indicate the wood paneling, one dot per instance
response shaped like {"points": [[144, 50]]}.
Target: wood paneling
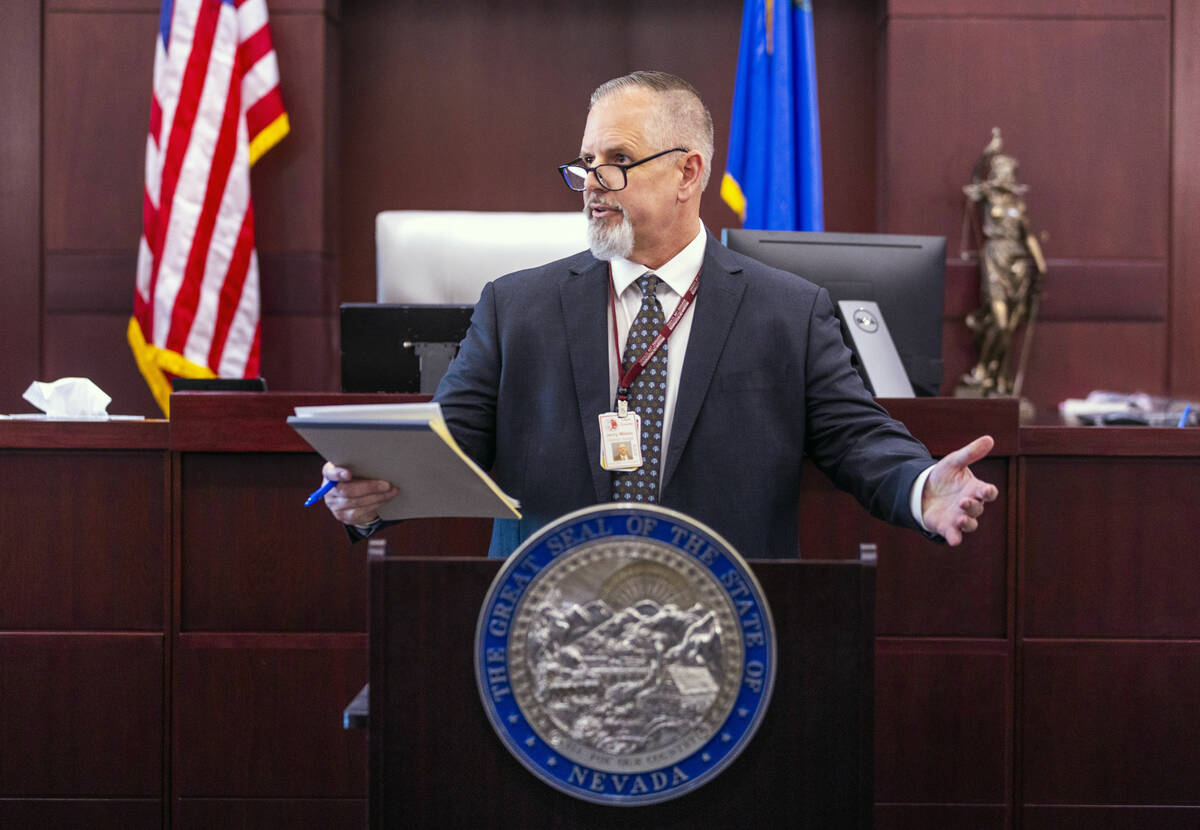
{"points": [[943, 817], [1098, 72], [303, 353], [82, 814], [82, 715], [271, 814], [94, 346], [278, 7], [1103, 81], [800, 770], [384, 122], [93, 282], [123, 6], [83, 435], [1185, 204], [299, 325], [435, 537], [1110, 722], [276, 698], [238, 572], [433, 95], [847, 37], [107, 573], [425, 89], [20, 199], [93, 196], [1032, 8], [711, 70], [1132, 290], [1110, 818], [1130, 442], [923, 587], [98, 71], [1072, 359], [942, 721], [1107, 552], [288, 182], [1102, 324], [251, 422]]}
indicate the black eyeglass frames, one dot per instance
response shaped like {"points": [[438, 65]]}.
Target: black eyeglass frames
{"points": [[610, 176]]}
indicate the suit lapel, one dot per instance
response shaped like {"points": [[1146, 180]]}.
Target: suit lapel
{"points": [[720, 294], [584, 296]]}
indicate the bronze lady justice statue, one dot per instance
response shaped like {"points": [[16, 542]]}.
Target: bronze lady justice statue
{"points": [[1011, 270]]}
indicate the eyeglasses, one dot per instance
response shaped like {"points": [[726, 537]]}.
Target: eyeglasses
{"points": [[610, 176]]}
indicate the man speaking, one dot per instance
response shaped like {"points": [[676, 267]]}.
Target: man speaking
{"points": [[720, 373]]}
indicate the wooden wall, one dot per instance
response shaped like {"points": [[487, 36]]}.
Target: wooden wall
{"points": [[409, 104], [76, 81], [1083, 92]]}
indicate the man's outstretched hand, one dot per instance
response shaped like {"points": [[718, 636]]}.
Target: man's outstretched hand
{"points": [[953, 498]]}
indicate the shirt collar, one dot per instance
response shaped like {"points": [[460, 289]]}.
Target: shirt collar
{"points": [[678, 272]]}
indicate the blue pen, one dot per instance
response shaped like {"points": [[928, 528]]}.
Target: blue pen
{"points": [[319, 493], [1183, 419]]}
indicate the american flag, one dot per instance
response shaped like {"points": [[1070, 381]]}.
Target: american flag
{"points": [[216, 109]]}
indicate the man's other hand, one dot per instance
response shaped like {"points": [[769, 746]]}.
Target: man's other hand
{"points": [[355, 501], [953, 498]]}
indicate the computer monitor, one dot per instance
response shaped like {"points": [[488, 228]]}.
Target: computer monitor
{"points": [[904, 275], [399, 347]]}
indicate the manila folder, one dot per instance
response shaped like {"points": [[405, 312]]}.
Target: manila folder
{"points": [[410, 446]]}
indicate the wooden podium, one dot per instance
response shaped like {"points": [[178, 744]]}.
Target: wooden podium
{"points": [[435, 760]]}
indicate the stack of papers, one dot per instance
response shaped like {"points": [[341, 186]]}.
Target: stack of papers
{"points": [[1117, 409], [409, 445]]}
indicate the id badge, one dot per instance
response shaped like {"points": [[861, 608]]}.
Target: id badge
{"points": [[620, 441]]}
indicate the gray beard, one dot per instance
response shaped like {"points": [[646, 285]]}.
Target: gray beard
{"points": [[607, 242]]}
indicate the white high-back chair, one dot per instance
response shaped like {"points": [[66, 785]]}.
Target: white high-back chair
{"points": [[446, 256]]}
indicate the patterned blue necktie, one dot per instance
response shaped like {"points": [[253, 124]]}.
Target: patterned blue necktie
{"points": [[647, 397]]}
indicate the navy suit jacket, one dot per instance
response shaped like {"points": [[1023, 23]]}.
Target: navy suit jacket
{"points": [[766, 379]]}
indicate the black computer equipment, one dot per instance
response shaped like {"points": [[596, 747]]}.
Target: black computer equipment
{"points": [[905, 275], [396, 347]]}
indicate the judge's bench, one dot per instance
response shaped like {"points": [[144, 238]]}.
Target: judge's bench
{"points": [[179, 637]]}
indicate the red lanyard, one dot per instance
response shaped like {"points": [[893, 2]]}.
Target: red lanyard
{"points": [[664, 333]]}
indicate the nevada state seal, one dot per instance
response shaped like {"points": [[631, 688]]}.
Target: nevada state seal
{"points": [[625, 654]]}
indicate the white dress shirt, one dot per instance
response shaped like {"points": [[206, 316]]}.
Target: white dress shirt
{"points": [[675, 277]]}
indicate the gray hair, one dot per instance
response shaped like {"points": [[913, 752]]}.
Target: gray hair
{"points": [[681, 119]]}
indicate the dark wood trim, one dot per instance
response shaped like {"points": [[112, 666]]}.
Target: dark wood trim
{"points": [[1118, 9], [257, 422], [83, 435], [277, 6], [1184, 333], [945, 424], [250, 421], [239, 640], [101, 282], [1114, 441], [1135, 290], [1107, 816], [21, 207], [170, 590]]}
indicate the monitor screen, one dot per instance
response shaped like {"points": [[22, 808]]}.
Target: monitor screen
{"points": [[399, 347], [904, 275]]}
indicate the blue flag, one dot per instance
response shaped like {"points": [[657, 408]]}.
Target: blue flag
{"points": [[773, 173]]}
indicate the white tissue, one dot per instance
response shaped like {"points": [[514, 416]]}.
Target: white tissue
{"points": [[69, 398]]}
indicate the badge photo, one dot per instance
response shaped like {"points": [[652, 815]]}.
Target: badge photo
{"points": [[620, 441]]}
